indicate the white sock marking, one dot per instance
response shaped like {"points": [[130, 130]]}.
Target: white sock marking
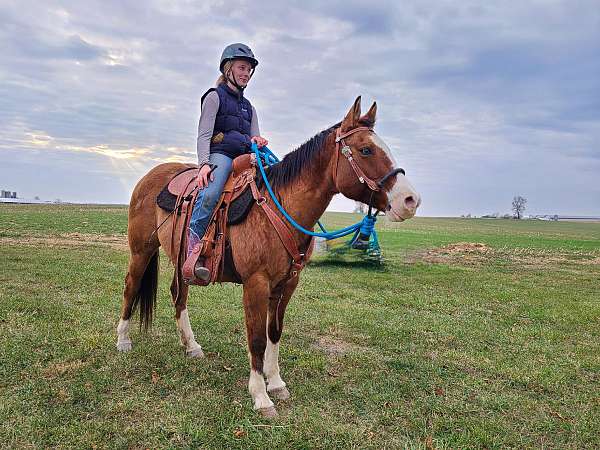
{"points": [[271, 367], [186, 334], [258, 391], [123, 340]]}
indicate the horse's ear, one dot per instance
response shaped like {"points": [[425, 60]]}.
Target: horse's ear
{"points": [[352, 117], [369, 118]]}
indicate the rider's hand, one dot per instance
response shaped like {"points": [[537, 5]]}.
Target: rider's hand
{"points": [[260, 141], [204, 175]]}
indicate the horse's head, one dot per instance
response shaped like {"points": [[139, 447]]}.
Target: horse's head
{"points": [[364, 168]]}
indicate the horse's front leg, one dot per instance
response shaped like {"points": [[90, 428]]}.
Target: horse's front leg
{"points": [[256, 301], [278, 301]]}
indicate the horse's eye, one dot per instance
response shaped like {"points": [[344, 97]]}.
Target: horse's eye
{"points": [[366, 151]]}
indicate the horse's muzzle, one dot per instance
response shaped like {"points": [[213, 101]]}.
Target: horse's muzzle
{"points": [[403, 200]]}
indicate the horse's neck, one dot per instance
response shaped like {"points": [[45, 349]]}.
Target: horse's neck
{"points": [[307, 197]]}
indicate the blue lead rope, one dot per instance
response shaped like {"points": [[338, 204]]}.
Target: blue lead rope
{"points": [[365, 227]]}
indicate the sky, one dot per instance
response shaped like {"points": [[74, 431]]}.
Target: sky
{"points": [[479, 101]]}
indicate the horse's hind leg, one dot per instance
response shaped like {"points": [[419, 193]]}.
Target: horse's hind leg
{"points": [[186, 335], [277, 303], [138, 262]]}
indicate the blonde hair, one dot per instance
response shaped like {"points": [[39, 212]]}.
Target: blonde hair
{"points": [[226, 68]]}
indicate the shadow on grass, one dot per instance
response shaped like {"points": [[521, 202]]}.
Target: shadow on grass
{"points": [[349, 263]]}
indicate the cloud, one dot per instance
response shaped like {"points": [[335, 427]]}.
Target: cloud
{"points": [[476, 99]]}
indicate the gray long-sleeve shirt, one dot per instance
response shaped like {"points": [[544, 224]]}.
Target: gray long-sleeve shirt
{"points": [[206, 126]]}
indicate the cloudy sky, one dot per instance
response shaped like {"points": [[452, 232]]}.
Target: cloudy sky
{"points": [[480, 101]]}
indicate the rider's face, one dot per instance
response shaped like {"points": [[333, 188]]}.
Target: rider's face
{"points": [[241, 71]]}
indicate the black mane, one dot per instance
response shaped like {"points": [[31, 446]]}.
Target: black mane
{"points": [[288, 169]]}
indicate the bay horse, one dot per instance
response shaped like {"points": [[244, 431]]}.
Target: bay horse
{"points": [[305, 182]]}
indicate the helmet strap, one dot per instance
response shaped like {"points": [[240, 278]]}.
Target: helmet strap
{"points": [[234, 81]]}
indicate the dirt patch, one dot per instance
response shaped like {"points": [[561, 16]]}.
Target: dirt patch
{"points": [[465, 252], [476, 253], [69, 240], [466, 247], [334, 346], [58, 369]]}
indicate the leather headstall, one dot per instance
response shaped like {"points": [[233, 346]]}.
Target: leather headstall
{"points": [[347, 152]]}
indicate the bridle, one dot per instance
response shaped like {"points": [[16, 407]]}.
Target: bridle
{"points": [[374, 186]]}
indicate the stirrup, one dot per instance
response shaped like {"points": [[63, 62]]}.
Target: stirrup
{"points": [[194, 271], [201, 272]]}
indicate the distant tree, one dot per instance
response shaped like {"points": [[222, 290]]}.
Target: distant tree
{"points": [[518, 206], [36, 198], [360, 208]]}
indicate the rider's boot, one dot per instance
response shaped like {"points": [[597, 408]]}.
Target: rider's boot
{"points": [[200, 272]]}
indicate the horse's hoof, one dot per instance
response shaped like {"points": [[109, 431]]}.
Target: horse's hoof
{"points": [[268, 413], [195, 353], [124, 346], [281, 393]]}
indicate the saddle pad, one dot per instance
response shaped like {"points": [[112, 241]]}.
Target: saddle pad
{"points": [[240, 207], [166, 200], [238, 210]]}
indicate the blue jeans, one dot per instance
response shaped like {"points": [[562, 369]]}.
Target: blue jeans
{"points": [[208, 198]]}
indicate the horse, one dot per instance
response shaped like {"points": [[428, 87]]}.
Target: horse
{"points": [[305, 181]]}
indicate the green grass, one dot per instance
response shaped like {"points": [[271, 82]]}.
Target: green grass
{"points": [[456, 350], [23, 220]]}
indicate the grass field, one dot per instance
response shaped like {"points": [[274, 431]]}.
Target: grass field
{"points": [[475, 333]]}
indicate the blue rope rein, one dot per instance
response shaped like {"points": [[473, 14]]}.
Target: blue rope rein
{"points": [[365, 227]]}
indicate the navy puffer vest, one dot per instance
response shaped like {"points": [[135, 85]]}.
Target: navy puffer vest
{"points": [[233, 120]]}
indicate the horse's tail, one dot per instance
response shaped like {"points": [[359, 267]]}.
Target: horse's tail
{"points": [[146, 294]]}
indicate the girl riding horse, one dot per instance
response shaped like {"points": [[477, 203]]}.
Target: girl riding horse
{"points": [[228, 124]]}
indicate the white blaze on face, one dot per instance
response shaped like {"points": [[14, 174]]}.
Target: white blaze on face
{"points": [[383, 146], [403, 198]]}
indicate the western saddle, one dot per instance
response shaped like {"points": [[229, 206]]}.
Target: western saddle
{"points": [[213, 244]]}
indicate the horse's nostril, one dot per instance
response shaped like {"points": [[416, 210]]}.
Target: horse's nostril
{"points": [[410, 202]]}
